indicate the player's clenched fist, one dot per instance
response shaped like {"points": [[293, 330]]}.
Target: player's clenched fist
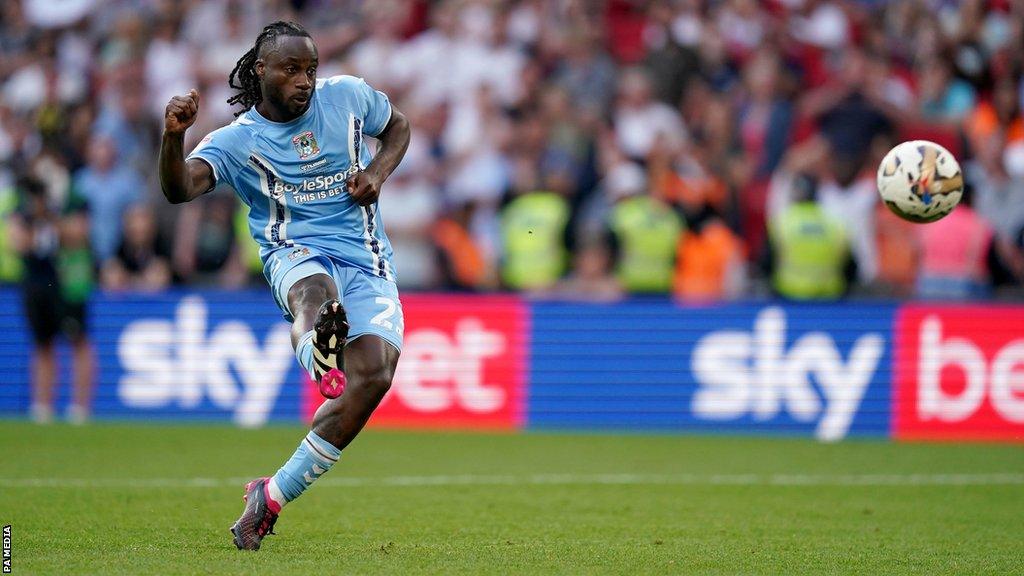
{"points": [[364, 187], [181, 112]]}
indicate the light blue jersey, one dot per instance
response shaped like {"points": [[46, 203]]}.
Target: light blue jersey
{"points": [[292, 175]]}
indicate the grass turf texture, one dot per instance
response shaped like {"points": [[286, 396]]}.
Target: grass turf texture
{"points": [[106, 499]]}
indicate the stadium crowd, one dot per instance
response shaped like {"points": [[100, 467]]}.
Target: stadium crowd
{"points": [[566, 148]]}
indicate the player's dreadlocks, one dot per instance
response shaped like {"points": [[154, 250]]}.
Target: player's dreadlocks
{"points": [[244, 78]]}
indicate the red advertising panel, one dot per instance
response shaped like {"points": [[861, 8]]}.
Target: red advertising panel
{"points": [[959, 373], [463, 365]]}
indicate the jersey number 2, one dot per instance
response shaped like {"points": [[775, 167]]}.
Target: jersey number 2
{"points": [[383, 319]]}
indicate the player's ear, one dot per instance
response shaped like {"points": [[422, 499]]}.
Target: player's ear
{"points": [[259, 67]]}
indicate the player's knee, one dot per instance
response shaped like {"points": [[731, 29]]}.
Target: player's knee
{"points": [[374, 379], [309, 294]]}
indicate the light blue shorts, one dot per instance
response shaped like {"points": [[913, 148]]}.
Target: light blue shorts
{"points": [[371, 303]]}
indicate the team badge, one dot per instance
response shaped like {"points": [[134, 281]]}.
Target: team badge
{"points": [[305, 144]]}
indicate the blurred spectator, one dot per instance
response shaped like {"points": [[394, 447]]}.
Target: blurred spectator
{"points": [[410, 207], [711, 264], [996, 131], [711, 99], [844, 191], [248, 250], [591, 278], [640, 121], [109, 187], [461, 263], [206, 252], [645, 232], [140, 262], [124, 120], [943, 97], [898, 253], [169, 61], [957, 253], [52, 238], [533, 228], [766, 117], [809, 252], [820, 23], [586, 72], [10, 259], [849, 116]]}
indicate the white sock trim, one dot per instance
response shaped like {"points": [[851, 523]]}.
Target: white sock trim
{"points": [[304, 341], [275, 493]]}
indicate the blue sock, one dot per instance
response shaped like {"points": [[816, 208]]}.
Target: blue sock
{"points": [[313, 458], [304, 353]]}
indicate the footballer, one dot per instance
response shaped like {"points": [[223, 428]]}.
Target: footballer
{"points": [[296, 155]]}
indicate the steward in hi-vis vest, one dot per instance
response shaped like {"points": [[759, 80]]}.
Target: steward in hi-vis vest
{"points": [[646, 233], [810, 253], [533, 228]]}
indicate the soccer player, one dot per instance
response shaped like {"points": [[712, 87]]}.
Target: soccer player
{"points": [[296, 156]]}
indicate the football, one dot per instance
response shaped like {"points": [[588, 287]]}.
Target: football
{"points": [[920, 181]]}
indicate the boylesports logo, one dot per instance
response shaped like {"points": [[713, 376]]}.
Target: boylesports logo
{"points": [[316, 187], [305, 144]]}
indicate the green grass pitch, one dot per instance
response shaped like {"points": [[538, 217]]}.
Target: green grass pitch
{"points": [[155, 499]]}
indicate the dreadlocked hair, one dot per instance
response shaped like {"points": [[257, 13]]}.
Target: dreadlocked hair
{"points": [[244, 78]]}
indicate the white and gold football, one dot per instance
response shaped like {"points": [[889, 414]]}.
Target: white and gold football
{"points": [[920, 181]]}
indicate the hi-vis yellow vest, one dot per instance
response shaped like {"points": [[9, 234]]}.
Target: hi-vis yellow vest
{"points": [[810, 250], [533, 235], [249, 248], [10, 261], [648, 234]]}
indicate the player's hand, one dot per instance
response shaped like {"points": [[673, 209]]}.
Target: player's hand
{"points": [[181, 112], [364, 187]]}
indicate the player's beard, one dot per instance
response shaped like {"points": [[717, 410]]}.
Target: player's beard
{"points": [[296, 107]]}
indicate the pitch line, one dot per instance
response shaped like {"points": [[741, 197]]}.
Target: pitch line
{"points": [[950, 479]]}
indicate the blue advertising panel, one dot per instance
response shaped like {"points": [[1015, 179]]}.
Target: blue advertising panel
{"points": [[208, 355], [173, 355], [15, 353], [821, 370]]}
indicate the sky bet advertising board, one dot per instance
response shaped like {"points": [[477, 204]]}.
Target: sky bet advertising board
{"points": [[501, 362], [809, 370]]}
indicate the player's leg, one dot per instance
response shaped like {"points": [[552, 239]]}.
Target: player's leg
{"points": [[302, 282], [303, 290], [371, 355], [319, 331], [370, 358], [370, 364], [304, 300]]}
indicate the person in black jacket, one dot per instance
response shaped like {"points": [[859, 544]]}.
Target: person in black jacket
{"points": [[58, 278]]}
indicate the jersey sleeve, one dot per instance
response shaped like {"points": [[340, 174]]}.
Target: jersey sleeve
{"points": [[377, 108], [223, 152], [374, 105]]}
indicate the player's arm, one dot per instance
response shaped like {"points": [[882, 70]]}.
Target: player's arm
{"points": [[365, 186], [182, 180]]}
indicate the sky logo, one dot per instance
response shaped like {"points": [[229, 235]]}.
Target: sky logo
{"points": [[184, 363], [758, 374]]}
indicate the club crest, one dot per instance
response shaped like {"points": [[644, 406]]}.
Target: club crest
{"points": [[305, 144], [300, 252]]}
